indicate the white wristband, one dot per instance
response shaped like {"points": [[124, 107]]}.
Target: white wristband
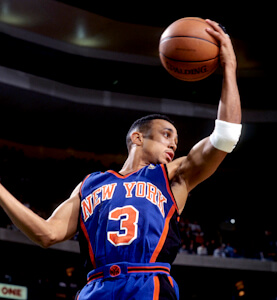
{"points": [[225, 135]]}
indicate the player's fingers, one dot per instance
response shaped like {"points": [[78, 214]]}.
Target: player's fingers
{"points": [[214, 33], [217, 31], [218, 27]]}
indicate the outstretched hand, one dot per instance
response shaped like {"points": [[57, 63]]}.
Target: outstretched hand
{"points": [[227, 54]]}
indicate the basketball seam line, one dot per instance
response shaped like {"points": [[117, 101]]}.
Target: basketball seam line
{"points": [[187, 36], [190, 61]]}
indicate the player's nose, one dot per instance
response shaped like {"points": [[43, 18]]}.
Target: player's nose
{"points": [[172, 145]]}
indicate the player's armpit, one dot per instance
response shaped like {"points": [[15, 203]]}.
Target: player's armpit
{"points": [[201, 162]]}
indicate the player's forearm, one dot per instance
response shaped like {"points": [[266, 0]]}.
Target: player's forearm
{"points": [[36, 228], [229, 109]]}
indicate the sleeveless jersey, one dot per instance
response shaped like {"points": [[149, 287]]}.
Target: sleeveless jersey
{"points": [[132, 218]]}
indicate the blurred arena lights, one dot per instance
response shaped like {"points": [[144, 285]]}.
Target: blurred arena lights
{"points": [[10, 16], [82, 36], [240, 288]]}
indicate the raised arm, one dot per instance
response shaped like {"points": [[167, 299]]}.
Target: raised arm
{"points": [[62, 224], [229, 109], [205, 157]]}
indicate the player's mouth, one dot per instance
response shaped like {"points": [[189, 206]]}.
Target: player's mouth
{"points": [[169, 156]]}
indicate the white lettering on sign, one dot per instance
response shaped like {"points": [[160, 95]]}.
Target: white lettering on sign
{"points": [[9, 291]]}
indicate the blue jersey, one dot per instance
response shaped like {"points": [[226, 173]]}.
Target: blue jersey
{"points": [[132, 218]]}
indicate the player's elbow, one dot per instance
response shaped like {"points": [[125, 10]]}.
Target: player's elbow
{"points": [[46, 240], [45, 243]]}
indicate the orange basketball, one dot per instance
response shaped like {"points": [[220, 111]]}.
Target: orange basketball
{"points": [[187, 51]]}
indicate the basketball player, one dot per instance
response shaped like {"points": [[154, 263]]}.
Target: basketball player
{"points": [[127, 221]]}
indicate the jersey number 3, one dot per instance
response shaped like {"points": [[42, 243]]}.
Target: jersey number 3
{"points": [[128, 232]]}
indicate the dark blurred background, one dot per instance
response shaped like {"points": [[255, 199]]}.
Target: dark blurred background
{"points": [[74, 75]]}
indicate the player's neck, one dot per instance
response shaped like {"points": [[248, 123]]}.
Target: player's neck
{"points": [[130, 167], [132, 164]]}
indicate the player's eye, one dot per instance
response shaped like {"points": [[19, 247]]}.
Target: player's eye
{"points": [[166, 134]]}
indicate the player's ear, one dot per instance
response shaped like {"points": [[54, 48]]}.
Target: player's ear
{"points": [[137, 138]]}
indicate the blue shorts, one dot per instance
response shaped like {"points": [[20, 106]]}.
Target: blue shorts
{"points": [[127, 281]]}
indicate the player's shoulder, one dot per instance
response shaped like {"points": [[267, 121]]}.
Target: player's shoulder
{"points": [[76, 190], [88, 181]]}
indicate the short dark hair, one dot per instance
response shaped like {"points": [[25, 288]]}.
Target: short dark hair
{"points": [[143, 125]]}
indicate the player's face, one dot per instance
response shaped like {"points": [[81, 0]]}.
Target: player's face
{"points": [[160, 143]]}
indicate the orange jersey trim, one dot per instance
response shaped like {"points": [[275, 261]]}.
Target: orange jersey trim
{"points": [[91, 254], [81, 195], [163, 236], [168, 186], [119, 175], [156, 294], [148, 269]]}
